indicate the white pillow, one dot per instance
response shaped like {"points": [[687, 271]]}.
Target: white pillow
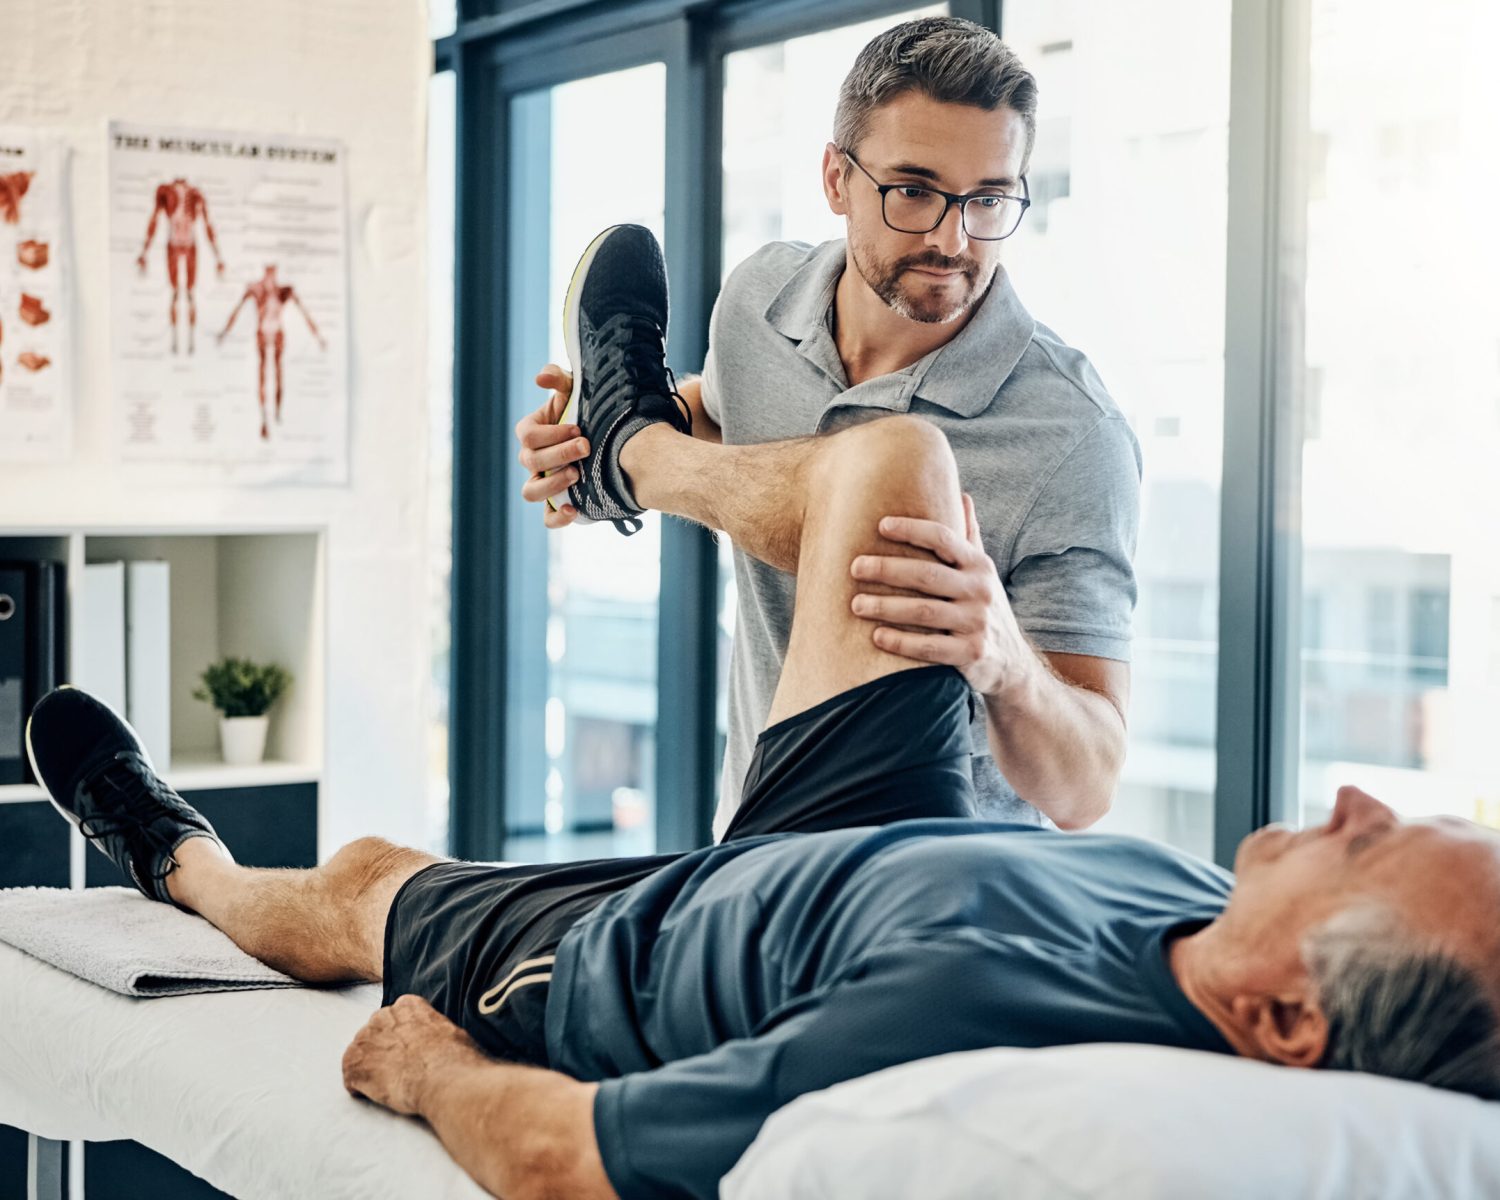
{"points": [[1123, 1122]]}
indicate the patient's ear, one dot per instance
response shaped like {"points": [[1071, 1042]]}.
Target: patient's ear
{"points": [[1289, 1028]]}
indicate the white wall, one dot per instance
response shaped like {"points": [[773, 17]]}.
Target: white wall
{"points": [[355, 70]]}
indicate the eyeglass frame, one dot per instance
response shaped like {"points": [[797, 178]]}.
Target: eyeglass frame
{"points": [[950, 199]]}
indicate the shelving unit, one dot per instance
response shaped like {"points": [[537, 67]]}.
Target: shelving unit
{"points": [[252, 592]]}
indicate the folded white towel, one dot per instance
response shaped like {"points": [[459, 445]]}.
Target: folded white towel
{"points": [[117, 938]]}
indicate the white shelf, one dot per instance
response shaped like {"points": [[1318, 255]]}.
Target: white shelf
{"points": [[18, 793], [203, 772], [199, 773]]}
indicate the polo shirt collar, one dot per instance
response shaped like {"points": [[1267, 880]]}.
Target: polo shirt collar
{"points": [[964, 375], [800, 308], [987, 350]]}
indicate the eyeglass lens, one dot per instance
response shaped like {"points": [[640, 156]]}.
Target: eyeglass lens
{"points": [[916, 210]]}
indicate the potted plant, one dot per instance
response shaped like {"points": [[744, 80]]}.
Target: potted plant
{"points": [[243, 692]]}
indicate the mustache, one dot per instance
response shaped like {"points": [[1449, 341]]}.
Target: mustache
{"points": [[939, 262]]}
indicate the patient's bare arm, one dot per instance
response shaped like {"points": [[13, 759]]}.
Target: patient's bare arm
{"points": [[523, 1133]]}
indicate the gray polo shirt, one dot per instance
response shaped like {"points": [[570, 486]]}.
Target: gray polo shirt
{"points": [[1052, 465]]}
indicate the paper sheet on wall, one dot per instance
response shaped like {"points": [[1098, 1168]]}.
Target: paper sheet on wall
{"points": [[36, 409], [229, 302]]}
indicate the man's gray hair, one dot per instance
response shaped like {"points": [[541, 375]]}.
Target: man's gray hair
{"points": [[947, 58], [1397, 1007]]}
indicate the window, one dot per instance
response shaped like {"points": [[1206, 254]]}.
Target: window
{"points": [[1494, 641], [779, 101], [1388, 369], [592, 635], [1123, 255], [778, 116], [1399, 490]]}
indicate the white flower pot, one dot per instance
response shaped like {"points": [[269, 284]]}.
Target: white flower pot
{"points": [[243, 739]]}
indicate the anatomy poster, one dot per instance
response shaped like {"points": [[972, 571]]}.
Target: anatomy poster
{"points": [[229, 302], [36, 413]]}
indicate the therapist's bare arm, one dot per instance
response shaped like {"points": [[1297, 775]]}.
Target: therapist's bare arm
{"points": [[547, 446], [521, 1132]]}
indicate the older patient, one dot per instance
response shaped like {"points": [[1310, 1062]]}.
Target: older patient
{"points": [[655, 1011], [624, 1027]]}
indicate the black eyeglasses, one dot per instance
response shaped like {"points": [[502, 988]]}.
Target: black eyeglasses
{"points": [[916, 208]]}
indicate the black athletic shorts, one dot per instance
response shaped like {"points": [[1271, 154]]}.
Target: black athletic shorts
{"points": [[477, 940]]}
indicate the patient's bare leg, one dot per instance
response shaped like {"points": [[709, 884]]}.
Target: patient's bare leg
{"points": [[809, 506], [756, 494], [323, 925], [897, 466]]}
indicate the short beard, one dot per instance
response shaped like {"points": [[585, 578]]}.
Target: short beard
{"points": [[885, 280]]}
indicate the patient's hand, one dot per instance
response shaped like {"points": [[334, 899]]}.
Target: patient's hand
{"points": [[399, 1052]]}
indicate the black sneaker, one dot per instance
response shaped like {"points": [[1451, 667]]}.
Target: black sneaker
{"points": [[614, 323], [101, 779]]}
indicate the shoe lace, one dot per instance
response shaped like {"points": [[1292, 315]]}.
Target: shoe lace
{"points": [[635, 356], [140, 796]]}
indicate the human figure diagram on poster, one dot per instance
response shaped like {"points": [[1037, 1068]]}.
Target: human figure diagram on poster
{"points": [[270, 297], [184, 205]]}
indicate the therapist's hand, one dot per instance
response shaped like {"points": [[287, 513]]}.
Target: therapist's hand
{"points": [[548, 446], [401, 1050], [963, 617]]}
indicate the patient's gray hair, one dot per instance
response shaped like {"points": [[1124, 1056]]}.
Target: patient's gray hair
{"points": [[1397, 1007], [950, 59]]}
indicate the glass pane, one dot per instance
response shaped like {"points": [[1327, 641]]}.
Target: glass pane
{"points": [[773, 155], [1122, 252], [442, 17], [778, 116], [1400, 392], [601, 592], [441, 146]]}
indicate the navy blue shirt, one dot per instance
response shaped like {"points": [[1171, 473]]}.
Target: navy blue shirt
{"points": [[741, 976]]}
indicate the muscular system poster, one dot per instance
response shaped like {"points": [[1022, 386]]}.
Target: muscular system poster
{"points": [[229, 302], [36, 412]]}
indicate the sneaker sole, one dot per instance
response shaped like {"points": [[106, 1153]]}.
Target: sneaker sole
{"points": [[572, 340]]}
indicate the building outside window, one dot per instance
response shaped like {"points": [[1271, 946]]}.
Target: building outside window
{"points": [[1400, 498]]}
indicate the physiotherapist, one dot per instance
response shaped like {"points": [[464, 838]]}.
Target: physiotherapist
{"points": [[913, 313]]}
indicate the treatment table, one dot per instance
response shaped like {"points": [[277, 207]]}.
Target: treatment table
{"points": [[244, 1089]]}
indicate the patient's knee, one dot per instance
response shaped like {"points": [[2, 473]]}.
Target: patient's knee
{"points": [[902, 464], [361, 865]]}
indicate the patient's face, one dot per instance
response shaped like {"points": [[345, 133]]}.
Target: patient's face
{"points": [[1441, 876]]}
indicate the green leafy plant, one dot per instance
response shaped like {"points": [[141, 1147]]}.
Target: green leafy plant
{"points": [[238, 687]]}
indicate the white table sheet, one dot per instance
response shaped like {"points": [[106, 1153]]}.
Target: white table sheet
{"points": [[242, 1088]]}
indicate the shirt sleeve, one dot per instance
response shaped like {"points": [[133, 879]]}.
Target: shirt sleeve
{"points": [[713, 396], [709, 383], [1071, 578], [676, 1131]]}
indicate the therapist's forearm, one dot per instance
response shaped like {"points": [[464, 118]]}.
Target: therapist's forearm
{"points": [[1059, 745], [523, 1133], [704, 426]]}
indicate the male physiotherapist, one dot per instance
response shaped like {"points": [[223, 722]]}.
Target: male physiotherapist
{"points": [[914, 313]]}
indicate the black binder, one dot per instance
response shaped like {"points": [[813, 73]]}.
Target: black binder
{"points": [[45, 664], [15, 611]]}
